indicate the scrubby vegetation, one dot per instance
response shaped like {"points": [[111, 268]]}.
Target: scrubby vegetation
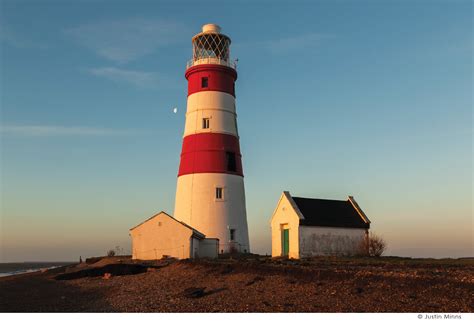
{"points": [[372, 245]]}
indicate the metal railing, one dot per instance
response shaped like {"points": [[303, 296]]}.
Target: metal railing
{"points": [[212, 60]]}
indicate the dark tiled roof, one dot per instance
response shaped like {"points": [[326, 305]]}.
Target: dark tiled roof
{"points": [[331, 213]]}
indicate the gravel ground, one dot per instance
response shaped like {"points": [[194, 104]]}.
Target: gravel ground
{"points": [[254, 284]]}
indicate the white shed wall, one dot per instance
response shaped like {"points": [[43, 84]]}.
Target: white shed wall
{"points": [[285, 217], [159, 236], [315, 240]]}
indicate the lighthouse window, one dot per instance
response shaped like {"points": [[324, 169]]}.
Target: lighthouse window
{"points": [[205, 123], [232, 234], [219, 193], [231, 165], [204, 82]]}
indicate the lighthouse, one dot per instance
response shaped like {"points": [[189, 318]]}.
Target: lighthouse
{"points": [[210, 194]]}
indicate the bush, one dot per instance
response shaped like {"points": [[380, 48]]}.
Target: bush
{"points": [[110, 253], [372, 245], [377, 245], [118, 250]]}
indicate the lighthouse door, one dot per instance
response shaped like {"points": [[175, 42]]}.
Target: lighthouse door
{"points": [[285, 235]]}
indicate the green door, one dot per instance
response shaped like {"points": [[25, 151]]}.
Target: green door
{"points": [[286, 241]]}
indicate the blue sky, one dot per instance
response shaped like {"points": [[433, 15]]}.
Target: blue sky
{"points": [[334, 98]]}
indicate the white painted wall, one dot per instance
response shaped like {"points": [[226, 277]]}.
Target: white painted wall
{"points": [[150, 240], [219, 122], [196, 206], [285, 216], [211, 99], [316, 240], [219, 107]]}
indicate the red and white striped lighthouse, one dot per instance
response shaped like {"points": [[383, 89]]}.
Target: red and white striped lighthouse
{"points": [[210, 195]]}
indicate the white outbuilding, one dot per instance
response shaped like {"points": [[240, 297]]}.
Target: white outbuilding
{"points": [[303, 227], [163, 236]]}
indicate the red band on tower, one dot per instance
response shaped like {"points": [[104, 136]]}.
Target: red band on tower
{"points": [[211, 153], [219, 78]]}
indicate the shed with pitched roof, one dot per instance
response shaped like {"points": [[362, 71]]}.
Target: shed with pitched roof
{"points": [[163, 236], [303, 227]]}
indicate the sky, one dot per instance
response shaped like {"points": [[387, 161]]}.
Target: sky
{"points": [[334, 98]]}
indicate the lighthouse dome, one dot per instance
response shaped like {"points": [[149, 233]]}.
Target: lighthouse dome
{"points": [[211, 27]]}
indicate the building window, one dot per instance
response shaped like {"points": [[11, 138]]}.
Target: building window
{"points": [[205, 123], [204, 82], [231, 164], [219, 193], [232, 234]]}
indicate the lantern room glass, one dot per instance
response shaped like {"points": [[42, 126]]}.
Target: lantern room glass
{"points": [[211, 45]]}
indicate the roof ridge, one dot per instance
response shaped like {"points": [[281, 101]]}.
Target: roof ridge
{"points": [[320, 199], [358, 209], [172, 217]]}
